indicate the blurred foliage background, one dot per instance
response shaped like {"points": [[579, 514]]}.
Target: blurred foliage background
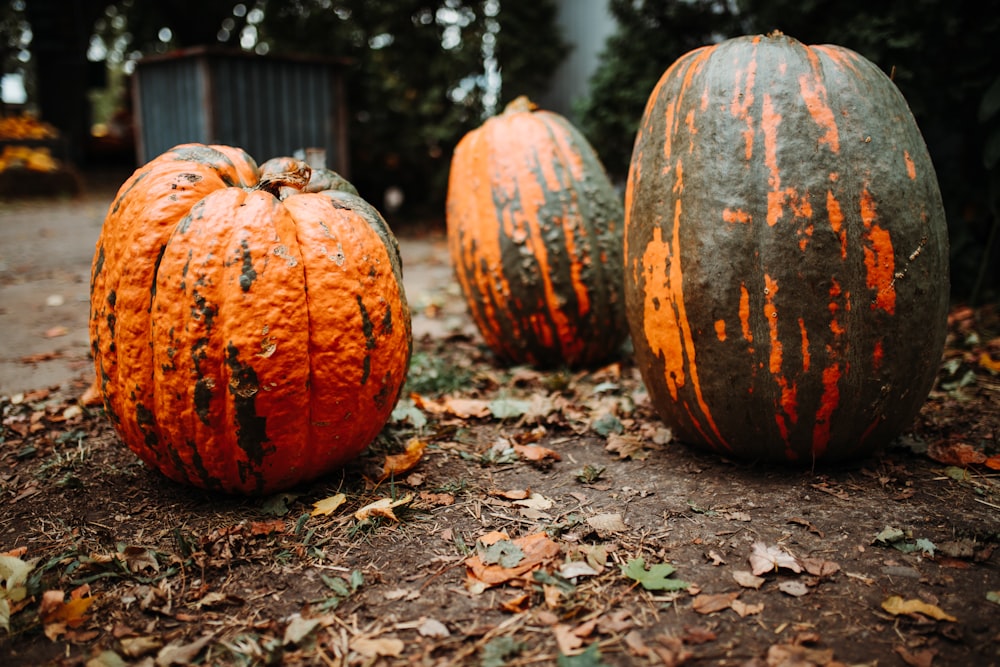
{"points": [[422, 73]]}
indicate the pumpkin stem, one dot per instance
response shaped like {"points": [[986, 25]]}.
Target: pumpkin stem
{"points": [[519, 104], [282, 176]]}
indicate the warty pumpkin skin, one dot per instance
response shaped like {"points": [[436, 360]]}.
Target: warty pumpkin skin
{"points": [[248, 334], [786, 252], [535, 236]]}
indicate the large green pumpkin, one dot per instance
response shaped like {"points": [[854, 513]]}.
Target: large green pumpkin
{"points": [[535, 236], [786, 252]]}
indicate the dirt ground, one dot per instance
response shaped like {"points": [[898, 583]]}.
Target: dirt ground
{"points": [[547, 518]]}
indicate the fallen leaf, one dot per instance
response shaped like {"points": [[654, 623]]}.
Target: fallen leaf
{"points": [[328, 505], [512, 494], [710, 603], [793, 588], [56, 332], [433, 628], [748, 579], [376, 647], [438, 499], [177, 653], [298, 629], [537, 549], [924, 658], [464, 408], [764, 558], [55, 609], [820, 567], [627, 446], [382, 508], [896, 605], [507, 408], [744, 609], [567, 640], [536, 501], [398, 464], [536, 453], [607, 523], [656, 578], [959, 454]]}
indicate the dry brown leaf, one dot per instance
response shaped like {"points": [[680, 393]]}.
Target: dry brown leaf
{"points": [[924, 658], [464, 408], [820, 567], [782, 655], [744, 609], [55, 609], [896, 605], [566, 639], [376, 647], [748, 579], [398, 464], [536, 453], [607, 523], [512, 494], [765, 558], [710, 603], [537, 549], [959, 454]]}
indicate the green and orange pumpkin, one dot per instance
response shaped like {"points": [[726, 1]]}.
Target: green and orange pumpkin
{"points": [[248, 332], [535, 236], [786, 252]]}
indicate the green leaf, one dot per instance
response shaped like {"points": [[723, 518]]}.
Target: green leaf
{"points": [[498, 651], [656, 578], [993, 596], [278, 504], [503, 553], [926, 546], [508, 408], [589, 658]]}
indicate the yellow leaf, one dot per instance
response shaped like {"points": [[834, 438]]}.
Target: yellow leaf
{"points": [[397, 464], [328, 505], [896, 605], [382, 508]]}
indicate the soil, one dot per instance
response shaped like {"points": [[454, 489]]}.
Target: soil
{"points": [[540, 517]]}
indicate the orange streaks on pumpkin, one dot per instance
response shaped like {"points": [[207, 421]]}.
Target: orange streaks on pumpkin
{"points": [[743, 99], [666, 327], [911, 168], [805, 345], [878, 355], [745, 313], [735, 216], [788, 400], [828, 403], [836, 216], [880, 262], [770, 119], [720, 330], [813, 93]]}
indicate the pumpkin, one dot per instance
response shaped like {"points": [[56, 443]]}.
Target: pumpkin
{"points": [[786, 252], [535, 237], [248, 333]]}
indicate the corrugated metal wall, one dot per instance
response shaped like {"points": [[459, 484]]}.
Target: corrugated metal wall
{"points": [[269, 107]]}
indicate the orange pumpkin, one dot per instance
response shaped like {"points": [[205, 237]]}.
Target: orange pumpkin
{"points": [[535, 236], [786, 250], [248, 334]]}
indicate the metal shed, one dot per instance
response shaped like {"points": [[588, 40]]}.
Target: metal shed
{"points": [[270, 106]]}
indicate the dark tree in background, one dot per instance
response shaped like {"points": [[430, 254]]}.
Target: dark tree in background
{"points": [[942, 54], [651, 35], [418, 76]]}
